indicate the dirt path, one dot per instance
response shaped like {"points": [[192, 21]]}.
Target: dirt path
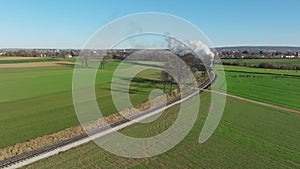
{"points": [[256, 102], [35, 64]]}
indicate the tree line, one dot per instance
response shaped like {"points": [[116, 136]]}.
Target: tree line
{"points": [[41, 53], [266, 65]]}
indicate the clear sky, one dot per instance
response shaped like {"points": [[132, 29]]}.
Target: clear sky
{"points": [[69, 23]]}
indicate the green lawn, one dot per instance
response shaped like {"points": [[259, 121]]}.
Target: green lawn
{"points": [[279, 87], [38, 101], [248, 136]]}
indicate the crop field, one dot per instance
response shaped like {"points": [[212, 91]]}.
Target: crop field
{"points": [[28, 60], [258, 61], [279, 87], [248, 136], [38, 101]]}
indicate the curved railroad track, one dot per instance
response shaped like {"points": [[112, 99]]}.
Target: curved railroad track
{"points": [[64, 145]]}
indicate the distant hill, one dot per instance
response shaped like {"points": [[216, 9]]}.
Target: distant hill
{"points": [[260, 48]]}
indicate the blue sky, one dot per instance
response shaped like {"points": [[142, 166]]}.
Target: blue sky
{"points": [[69, 23]]}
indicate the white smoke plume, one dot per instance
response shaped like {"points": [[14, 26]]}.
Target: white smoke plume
{"points": [[200, 49]]}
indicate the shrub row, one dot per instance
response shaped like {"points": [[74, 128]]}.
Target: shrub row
{"points": [[266, 65]]}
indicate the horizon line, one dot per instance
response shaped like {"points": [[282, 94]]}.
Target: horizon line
{"points": [[61, 48]]}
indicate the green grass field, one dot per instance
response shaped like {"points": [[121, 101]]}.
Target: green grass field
{"points": [[258, 61], [279, 87], [263, 71], [248, 136], [29, 60], [38, 101]]}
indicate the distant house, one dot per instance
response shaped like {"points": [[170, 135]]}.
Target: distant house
{"points": [[68, 56], [43, 55], [290, 57]]}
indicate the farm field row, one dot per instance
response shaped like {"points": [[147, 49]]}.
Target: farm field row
{"points": [[278, 87], [258, 61]]}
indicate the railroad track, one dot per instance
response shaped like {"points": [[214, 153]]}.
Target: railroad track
{"points": [[13, 162]]}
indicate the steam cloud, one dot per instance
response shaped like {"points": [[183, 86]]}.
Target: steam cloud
{"points": [[200, 48], [197, 47]]}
